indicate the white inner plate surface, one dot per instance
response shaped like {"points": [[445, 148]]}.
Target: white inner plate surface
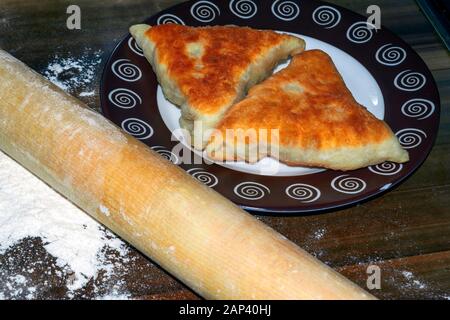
{"points": [[357, 78]]}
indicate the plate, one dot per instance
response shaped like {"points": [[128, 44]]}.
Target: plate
{"points": [[382, 72]]}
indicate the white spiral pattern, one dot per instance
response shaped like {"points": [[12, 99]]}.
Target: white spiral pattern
{"points": [[410, 81], [169, 18], [205, 11], [348, 185], [244, 9], [251, 190], [204, 177], [124, 98], [418, 108], [327, 17], [390, 55], [166, 154], [285, 10], [386, 168], [137, 128], [135, 47], [360, 32], [303, 192], [126, 71], [410, 138]]}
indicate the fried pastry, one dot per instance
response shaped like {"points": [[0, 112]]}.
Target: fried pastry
{"points": [[205, 70], [319, 122]]}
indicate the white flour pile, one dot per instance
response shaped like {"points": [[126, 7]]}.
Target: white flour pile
{"points": [[29, 208], [75, 75]]}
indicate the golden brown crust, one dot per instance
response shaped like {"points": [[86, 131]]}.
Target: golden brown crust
{"points": [[314, 111], [227, 52], [324, 115], [206, 70]]}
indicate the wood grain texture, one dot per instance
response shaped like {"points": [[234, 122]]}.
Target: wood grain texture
{"points": [[404, 230]]}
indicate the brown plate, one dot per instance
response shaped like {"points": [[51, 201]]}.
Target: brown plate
{"points": [[381, 70]]}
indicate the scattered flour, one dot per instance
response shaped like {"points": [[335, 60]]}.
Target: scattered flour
{"points": [[75, 75], [115, 294], [87, 94], [413, 282], [31, 209], [319, 234], [408, 274]]}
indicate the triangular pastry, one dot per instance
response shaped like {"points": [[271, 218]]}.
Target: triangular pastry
{"points": [[205, 70], [320, 123]]}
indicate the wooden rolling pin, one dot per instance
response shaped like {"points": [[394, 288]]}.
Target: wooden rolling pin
{"points": [[194, 233]]}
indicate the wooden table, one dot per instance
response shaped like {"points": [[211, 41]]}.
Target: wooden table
{"points": [[405, 232]]}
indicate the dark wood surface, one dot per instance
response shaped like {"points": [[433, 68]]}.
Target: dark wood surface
{"points": [[405, 232]]}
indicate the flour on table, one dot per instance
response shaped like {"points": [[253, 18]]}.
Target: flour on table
{"points": [[87, 93], [75, 75], [413, 282], [82, 248], [320, 233]]}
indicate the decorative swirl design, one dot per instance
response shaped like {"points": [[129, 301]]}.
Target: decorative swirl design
{"points": [[285, 10], [126, 71], [418, 108], [386, 168], [326, 16], [303, 192], [169, 18], [348, 185], [410, 81], [360, 32], [390, 55], [410, 138], [244, 9], [135, 47], [166, 154], [205, 11], [137, 128], [204, 177], [124, 98], [251, 190]]}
